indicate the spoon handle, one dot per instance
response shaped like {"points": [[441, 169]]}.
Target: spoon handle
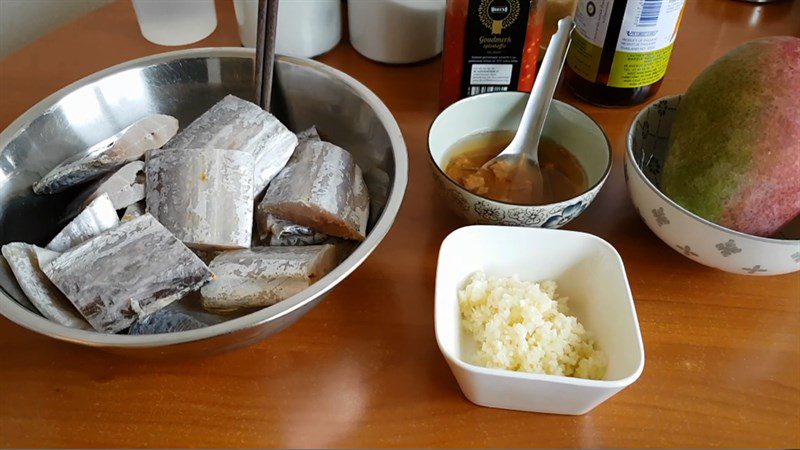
{"points": [[536, 109]]}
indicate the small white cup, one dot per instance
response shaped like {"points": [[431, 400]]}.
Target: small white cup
{"points": [[175, 22], [397, 31], [306, 28]]}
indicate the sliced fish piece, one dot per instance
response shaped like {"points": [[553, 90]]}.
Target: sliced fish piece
{"points": [[309, 134], [284, 233], [236, 124], [165, 321], [97, 217], [321, 188], [131, 212], [128, 145], [9, 282], [264, 276], [26, 261], [203, 196], [126, 273], [124, 187]]}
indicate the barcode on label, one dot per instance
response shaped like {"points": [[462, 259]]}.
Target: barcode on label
{"points": [[475, 90], [649, 15]]}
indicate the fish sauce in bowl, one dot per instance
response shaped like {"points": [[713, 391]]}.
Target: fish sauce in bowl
{"points": [[563, 177]]}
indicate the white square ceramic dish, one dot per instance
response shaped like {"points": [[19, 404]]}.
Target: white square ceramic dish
{"points": [[588, 270]]}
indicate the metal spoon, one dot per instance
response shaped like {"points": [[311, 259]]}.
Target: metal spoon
{"points": [[519, 162]]}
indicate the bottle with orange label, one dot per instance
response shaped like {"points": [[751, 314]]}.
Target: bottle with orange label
{"points": [[489, 46], [620, 49]]}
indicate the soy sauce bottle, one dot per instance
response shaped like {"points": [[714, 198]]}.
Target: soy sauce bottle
{"points": [[620, 49]]}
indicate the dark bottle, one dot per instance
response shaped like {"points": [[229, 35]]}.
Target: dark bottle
{"points": [[620, 49], [489, 46]]}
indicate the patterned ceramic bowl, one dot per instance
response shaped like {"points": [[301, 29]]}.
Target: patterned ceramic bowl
{"points": [[565, 124], [686, 233]]}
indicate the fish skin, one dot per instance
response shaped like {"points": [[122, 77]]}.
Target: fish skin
{"points": [[126, 273], [128, 145], [284, 233], [236, 124], [165, 321], [133, 211], [12, 288], [321, 188], [264, 276], [25, 261], [203, 196], [97, 217]]}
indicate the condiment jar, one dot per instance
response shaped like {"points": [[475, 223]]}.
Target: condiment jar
{"points": [[620, 50], [306, 28], [178, 22], [490, 46], [396, 31]]}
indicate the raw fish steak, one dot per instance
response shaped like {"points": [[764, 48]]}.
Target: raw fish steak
{"points": [[265, 275], [203, 196], [236, 124], [126, 273], [25, 261], [97, 217], [321, 188], [128, 145]]}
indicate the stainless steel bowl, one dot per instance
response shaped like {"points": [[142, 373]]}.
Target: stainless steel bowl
{"points": [[184, 84]]}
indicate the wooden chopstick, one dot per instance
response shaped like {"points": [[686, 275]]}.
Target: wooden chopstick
{"points": [[265, 50]]}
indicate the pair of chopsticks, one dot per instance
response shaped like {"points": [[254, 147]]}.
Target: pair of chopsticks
{"points": [[265, 50]]}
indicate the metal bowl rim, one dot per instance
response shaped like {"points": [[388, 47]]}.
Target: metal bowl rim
{"points": [[638, 170], [27, 319]]}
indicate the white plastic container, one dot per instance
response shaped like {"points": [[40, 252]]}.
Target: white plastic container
{"points": [[397, 31], [587, 269], [306, 28], [175, 22]]}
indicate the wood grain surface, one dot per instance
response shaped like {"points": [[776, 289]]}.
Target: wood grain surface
{"points": [[363, 369]]}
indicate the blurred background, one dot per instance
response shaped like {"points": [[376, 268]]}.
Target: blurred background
{"points": [[22, 21]]}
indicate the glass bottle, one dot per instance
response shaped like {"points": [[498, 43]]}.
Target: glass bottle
{"points": [[620, 49], [489, 46]]}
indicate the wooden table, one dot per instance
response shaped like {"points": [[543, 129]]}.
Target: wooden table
{"points": [[363, 369]]}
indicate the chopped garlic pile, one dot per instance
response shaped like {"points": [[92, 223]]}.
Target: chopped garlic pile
{"points": [[525, 326]]}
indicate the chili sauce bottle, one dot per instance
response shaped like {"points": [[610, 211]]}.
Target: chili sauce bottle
{"points": [[489, 46], [620, 49]]}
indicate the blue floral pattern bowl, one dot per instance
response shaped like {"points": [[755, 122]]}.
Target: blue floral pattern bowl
{"points": [[692, 236], [565, 124]]}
